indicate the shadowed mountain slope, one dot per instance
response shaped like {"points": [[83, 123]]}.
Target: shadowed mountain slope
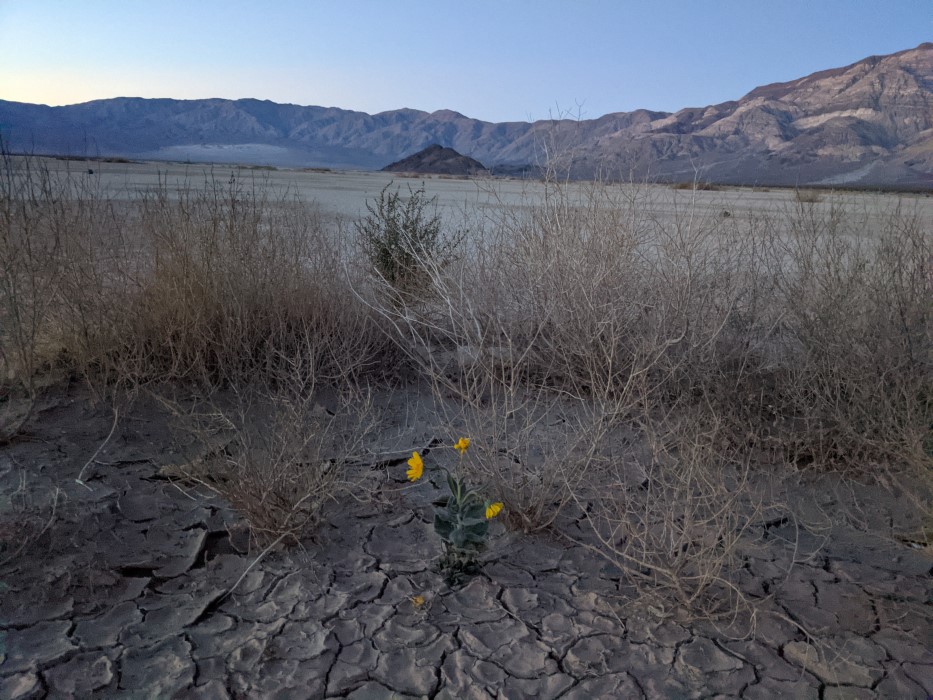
{"points": [[440, 160]]}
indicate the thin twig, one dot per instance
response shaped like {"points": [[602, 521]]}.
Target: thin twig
{"points": [[253, 563], [28, 540], [78, 479]]}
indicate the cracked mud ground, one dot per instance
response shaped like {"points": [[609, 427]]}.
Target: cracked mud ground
{"points": [[121, 595]]}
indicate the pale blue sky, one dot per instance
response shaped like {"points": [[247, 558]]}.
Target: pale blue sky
{"points": [[495, 60]]}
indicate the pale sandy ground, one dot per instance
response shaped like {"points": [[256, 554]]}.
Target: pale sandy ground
{"points": [[344, 193]]}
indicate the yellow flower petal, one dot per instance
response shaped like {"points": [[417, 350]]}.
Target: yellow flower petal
{"points": [[416, 467], [462, 445], [493, 509]]}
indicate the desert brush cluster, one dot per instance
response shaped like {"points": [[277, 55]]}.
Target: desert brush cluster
{"points": [[638, 383]]}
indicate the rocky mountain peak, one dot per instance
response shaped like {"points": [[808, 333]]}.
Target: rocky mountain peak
{"points": [[437, 159]]}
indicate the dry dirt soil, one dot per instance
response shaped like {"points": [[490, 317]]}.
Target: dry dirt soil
{"points": [[121, 588]]}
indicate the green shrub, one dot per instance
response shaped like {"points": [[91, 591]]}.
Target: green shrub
{"points": [[402, 238]]}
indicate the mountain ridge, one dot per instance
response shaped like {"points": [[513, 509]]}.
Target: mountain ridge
{"points": [[868, 123]]}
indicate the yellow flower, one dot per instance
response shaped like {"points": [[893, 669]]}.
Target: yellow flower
{"points": [[416, 467], [462, 445], [492, 510], [417, 601]]}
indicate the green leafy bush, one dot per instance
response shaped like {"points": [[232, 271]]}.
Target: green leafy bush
{"points": [[402, 237]]}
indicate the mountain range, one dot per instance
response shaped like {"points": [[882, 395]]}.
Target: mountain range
{"points": [[866, 124]]}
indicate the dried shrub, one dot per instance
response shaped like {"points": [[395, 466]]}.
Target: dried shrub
{"points": [[696, 185], [708, 345], [807, 196], [856, 389], [25, 517], [239, 280], [204, 285], [616, 356], [50, 290], [673, 521], [226, 294], [28, 285], [283, 458]]}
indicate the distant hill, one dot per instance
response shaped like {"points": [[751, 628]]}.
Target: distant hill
{"points": [[870, 123], [439, 160]]}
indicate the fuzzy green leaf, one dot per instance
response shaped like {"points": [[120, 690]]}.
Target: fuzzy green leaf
{"points": [[442, 526]]}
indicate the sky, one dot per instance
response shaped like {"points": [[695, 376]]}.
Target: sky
{"points": [[497, 60]]}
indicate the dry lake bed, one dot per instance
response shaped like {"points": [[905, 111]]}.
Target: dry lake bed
{"points": [[343, 194], [139, 585]]}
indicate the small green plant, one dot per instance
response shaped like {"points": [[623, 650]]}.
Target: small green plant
{"points": [[461, 520], [401, 237]]}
